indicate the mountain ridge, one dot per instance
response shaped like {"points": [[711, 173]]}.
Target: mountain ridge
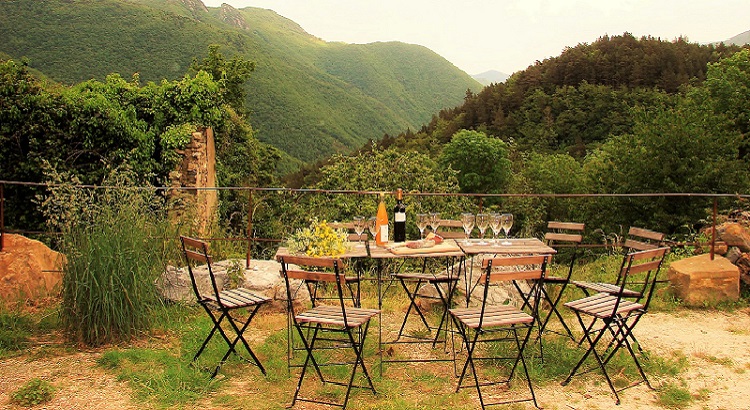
{"points": [[308, 97]]}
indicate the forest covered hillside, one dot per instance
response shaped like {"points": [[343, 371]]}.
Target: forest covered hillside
{"points": [[307, 97]]}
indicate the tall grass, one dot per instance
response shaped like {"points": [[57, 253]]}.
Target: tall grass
{"points": [[111, 238]]}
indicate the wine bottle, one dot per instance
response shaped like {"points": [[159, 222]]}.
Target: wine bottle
{"points": [[399, 218], [381, 221]]}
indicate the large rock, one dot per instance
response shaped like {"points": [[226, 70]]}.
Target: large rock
{"points": [[28, 269], [263, 277], [735, 234], [700, 281]]}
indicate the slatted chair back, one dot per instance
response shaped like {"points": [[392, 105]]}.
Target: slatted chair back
{"points": [[333, 273], [639, 239], [642, 267], [514, 268], [197, 253], [451, 229], [565, 237]]}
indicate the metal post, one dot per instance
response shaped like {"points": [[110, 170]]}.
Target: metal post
{"points": [[713, 228], [249, 253]]}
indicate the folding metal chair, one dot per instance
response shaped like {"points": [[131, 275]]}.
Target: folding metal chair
{"points": [[565, 237], [444, 282], [224, 302], [451, 229], [616, 315], [337, 326], [319, 292], [638, 239], [504, 323]]}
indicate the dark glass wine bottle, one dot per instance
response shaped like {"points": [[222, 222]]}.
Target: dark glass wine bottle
{"points": [[399, 218]]}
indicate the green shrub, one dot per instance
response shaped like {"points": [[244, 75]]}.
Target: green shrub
{"points": [[113, 239], [33, 393]]}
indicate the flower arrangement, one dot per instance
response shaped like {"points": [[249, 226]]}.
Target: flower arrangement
{"points": [[318, 239]]}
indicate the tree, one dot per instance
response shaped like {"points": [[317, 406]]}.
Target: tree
{"points": [[230, 74], [482, 161], [680, 148], [727, 90]]}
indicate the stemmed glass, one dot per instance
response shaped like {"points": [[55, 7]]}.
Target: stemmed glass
{"points": [[495, 225], [422, 221], [506, 223], [482, 221], [434, 221], [359, 228], [467, 221], [372, 226]]}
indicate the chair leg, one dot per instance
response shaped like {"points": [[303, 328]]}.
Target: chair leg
{"points": [[308, 358], [358, 347], [412, 305], [592, 350], [521, 347], [241, 337], [554, 310], [211, 333]]}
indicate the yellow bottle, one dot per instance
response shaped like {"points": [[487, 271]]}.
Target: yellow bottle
{"points": [[381, 222]]}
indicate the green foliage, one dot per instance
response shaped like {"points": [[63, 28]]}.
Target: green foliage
{"points": [[15, 330], [306, 97], [159, 375], [728, 91], [33, 393], [108, 285], [93, 126], [482, 161], [230, 74], [680, 148], [674, 396]]}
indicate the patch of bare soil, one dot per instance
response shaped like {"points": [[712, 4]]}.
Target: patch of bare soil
{"points": [[717, 347], [716, 344]]}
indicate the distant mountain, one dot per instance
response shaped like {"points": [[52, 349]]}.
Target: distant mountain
{"points": [[491, 76], [739, 39], [307, 97]]}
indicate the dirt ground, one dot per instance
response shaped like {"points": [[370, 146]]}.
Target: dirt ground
{"points": [[716, 344]]}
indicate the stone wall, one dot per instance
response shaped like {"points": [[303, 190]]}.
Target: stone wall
{"points": [[197, 170]]}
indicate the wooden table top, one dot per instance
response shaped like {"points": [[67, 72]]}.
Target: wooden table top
{"points": [[517, 246]]}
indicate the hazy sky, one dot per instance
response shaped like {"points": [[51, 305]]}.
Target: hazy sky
{"points": [[507, 35]]}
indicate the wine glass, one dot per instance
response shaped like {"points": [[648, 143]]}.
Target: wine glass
{"points": [[495, 225], [467, 221], [372, 226], [482, 221], [506, 223], [422, 221], [359, 228], [434, 221]]}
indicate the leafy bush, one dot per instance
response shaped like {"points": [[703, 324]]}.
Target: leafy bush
{"points": [[33, 393]]}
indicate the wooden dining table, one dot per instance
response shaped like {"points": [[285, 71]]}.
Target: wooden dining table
{"points": [[504, 247], [454, 252]]}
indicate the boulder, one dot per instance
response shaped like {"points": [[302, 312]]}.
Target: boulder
{"points": [[700, 281], [263, 277], [28, 269], [734, 234]]}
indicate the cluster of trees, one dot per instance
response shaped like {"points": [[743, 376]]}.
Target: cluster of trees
{"points": [[87, 129], [581, 123], [544, 131]]}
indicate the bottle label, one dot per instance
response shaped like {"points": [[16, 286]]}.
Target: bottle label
{"points": [[384, 233], [400, 217]]}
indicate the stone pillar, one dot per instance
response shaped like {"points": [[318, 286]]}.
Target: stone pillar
{"points": [[197, 170]]}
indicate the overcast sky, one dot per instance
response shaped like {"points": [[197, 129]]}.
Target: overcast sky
{"points": [[507, 35]]}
